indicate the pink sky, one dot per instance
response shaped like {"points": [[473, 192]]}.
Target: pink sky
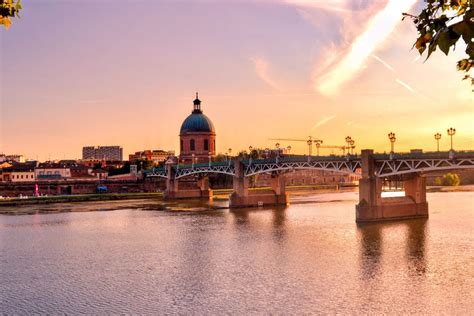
{"points": [[102, 72]]}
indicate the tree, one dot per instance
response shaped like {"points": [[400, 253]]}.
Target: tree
{"points": [[441, 24], [143, 164], [449, 179], [8, 9]]}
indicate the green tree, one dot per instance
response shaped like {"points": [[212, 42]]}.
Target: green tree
{"points": [[143, 164], [441, 24], [8, 9], [451, 179]]}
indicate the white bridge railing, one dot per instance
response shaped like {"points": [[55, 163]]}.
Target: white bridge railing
{"points": [[385, 165]]}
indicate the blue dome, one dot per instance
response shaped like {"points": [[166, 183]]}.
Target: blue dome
{"points": [[197, 122]]}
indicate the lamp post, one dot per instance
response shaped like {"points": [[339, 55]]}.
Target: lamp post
{"points": [[437, 136], [310, 148], [352, 142], [451, 132], [230, 151], [250, 151], [210, 158], [277, 146], [318, 144], [392, 138], [192, 161], [288, 149], [348, 141]]}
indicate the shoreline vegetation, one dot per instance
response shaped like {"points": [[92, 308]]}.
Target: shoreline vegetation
{"points": [[219, 194]]}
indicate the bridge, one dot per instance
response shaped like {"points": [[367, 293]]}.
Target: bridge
{"points": [[373, 168]]}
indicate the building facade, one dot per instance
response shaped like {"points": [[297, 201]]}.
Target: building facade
{"points": [[157, 156], [102, 152], [52, 171], [12, 158], [19, 172], [197, 136]]}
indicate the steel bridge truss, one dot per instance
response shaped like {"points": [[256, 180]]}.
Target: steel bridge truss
{"points": [[384, 166], [158, 172], [340, 166], [393, 167], [227, 169]]}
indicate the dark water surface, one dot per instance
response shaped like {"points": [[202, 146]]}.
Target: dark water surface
{"points": [[307, 258]]}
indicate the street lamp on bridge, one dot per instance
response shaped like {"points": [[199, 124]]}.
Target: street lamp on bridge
{"points": [[230, 151], [451, 132], [348, 141], [318, 143], [288, 149], [310, 148], [437, 136], [352, 142], [392, 138], [267, 152]]}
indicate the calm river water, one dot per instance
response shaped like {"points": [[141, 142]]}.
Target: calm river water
{"points": [[310, 257]]}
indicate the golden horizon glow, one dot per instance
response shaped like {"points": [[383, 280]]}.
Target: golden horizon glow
{"points": [[256, 64]]}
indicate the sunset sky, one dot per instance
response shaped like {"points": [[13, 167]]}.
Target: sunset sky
{"points": [[125, 72]]}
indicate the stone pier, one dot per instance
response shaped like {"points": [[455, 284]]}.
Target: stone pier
{"points": [[242, 197], [173, 191], [372, 207]]}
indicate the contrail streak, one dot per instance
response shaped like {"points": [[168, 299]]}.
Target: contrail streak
{"points": [[405, 85], [383, 63], [381, 25], [323, 121]]}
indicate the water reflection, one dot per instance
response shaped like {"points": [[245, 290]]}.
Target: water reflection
{"points": [[415, 245], [371, 249], [373, 239], [180, 258], [268, 220]]}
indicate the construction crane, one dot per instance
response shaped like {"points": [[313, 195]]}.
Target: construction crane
{"points": [[317, 142], [309, 141]]}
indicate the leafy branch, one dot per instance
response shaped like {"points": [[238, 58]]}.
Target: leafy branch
{"points": [[441, 24], [9, 9]]}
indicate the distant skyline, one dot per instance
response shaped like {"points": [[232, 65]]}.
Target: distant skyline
{"points": [[125, 72]]}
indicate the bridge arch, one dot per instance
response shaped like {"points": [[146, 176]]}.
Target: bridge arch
{"points": [[191, 172], [287, 169], [387, 168]]}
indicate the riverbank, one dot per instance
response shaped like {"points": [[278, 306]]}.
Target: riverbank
{"points": [[79, 198], [460, 188], [219, 194]]}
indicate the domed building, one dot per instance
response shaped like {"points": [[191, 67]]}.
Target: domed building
{"points": [[197, 136]]}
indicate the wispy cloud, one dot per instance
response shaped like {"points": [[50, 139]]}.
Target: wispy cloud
{"points": [[261, 69], [323, 121], [333, 5], [353, 124], [375, 33]]}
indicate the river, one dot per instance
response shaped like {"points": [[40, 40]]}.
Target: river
{"points": [[310, 257]]}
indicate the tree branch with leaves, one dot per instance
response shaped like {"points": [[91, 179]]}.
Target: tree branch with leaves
{"points": [[441, 24], [9, 9]]}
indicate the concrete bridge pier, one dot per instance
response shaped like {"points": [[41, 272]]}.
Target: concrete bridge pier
{"points": [[372, 207], [242, 197], [173, 191]]}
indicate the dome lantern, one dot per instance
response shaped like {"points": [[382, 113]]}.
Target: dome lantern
{"points": [[197, 104]]}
